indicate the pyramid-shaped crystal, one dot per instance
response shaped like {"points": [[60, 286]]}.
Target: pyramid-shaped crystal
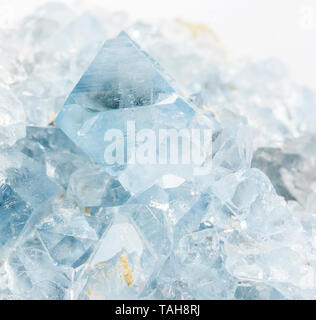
{"points": [[123, 86], [120, 76]]}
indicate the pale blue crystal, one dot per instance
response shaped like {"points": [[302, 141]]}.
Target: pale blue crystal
{"points": [[121, 76], [26, 194], [34, 275], [53, 149], [14, 214], [257, 291], [122, 84], [71, 232], [94, 187], [74, 227], [141, 233], [31, 183], [114, 285]]}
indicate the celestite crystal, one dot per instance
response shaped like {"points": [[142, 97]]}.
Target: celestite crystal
{"points": [[122, 84], [73, 226]]}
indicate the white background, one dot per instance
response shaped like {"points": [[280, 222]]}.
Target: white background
{"points": [[285, 29]]}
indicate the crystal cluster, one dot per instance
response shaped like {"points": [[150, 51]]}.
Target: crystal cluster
{"points": [[72, 227]]}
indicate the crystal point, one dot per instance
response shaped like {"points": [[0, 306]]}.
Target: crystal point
{"points": [[76, 223]]}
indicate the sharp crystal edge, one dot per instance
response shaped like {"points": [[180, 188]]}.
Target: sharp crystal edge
{"points": [[122, 84], [75, 227]]}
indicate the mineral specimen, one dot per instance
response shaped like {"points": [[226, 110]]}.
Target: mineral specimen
{"points": [[74, 226]]}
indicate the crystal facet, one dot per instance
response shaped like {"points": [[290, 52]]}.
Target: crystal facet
{"points": [[75, 226]]}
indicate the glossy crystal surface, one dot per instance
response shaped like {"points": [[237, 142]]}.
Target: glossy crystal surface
{"points": [[75, 227]]}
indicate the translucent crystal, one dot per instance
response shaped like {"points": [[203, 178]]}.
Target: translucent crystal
{"points": [[5, 292], [105, 75], [11, 68], [94, 187], [141, 238], [122, 84], [53, 149], [187, 50], [119, 282], [257, 291], [55, 43], [14, 214], [12, 117], [45, 22], [71, 232], [26, 194], [31, 183], [75, 227], [263, 93], [34, 275], [292, 169]]}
